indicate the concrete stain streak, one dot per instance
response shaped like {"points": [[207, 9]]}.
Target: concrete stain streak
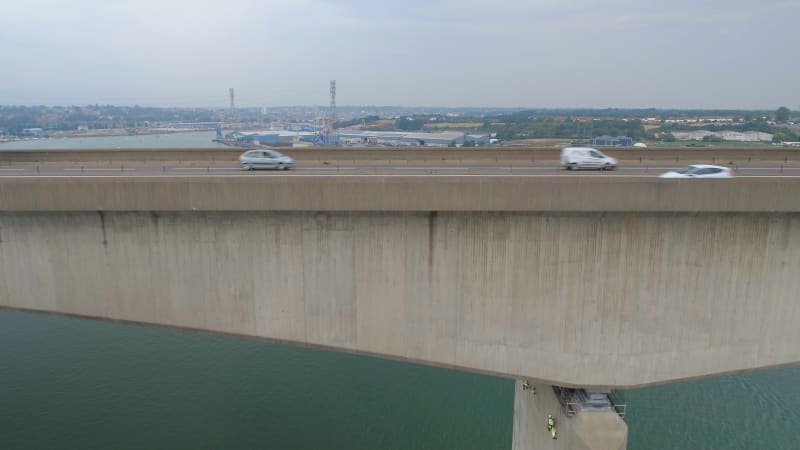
{"points": [[103, 227]]}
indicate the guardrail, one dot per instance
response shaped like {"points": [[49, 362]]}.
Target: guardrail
{"points": [[340, 155], [409, 166]]}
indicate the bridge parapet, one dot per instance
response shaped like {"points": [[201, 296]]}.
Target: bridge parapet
{"points": [[507, 193]]}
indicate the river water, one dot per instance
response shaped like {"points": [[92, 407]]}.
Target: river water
{"points": [[68, 383], [193, 139]]}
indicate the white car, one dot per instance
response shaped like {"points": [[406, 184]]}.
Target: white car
{"points": [[265, 159], [586, 157], [700, 171]]}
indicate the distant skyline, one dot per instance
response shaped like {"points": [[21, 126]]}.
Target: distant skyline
{"points": [[731, 54]]}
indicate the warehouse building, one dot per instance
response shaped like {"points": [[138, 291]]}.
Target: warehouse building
{"points": [[741, 136], [400, 138], [269, 137], [609, 141]]}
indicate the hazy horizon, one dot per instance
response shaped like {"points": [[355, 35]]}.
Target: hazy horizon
{"points": [[323, 108], [551, 54]]}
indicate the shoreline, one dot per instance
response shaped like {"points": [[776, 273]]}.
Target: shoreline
{"points": [[111, 132], [114, 132]]}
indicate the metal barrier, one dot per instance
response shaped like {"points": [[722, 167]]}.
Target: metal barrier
{"points": [[617, 399], [571, 408], [575, 400], [620, 410]]}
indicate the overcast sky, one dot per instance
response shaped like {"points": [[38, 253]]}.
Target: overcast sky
{"points": [[530, 53]]}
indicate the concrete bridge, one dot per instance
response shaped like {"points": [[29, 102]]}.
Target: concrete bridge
{"points": [[589, 283]]}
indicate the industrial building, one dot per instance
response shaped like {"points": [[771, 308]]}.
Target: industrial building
{"points": [[741, 136], [609, 141], [400, 138], [746, 136], [481, 139], [270, 137], [37, 132]]}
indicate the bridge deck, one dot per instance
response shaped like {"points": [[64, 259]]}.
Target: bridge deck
{"points": [[490, 193]]}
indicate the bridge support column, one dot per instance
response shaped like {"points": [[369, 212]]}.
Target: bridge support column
{"points": [[585, 430]]}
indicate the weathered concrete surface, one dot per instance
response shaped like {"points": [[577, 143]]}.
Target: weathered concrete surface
{"points": [[399, 193], [587, 430], [575, 299]]}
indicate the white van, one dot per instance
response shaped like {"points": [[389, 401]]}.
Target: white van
{"points": [[586, 157]]}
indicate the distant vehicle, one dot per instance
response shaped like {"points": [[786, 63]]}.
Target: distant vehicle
{"points": [[700, 171], [265, 159], [586, 157]]}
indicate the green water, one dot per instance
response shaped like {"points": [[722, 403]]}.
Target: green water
{"points": [[753, 411], [68, 383], [195, 139], [77, 384]]}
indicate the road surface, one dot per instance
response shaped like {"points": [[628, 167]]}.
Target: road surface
{"points": [[360, 168]]}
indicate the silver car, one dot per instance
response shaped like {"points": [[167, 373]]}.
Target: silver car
{"points": [[700, 171], [265, 159]]}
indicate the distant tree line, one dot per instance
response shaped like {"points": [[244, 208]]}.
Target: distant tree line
{"points": [[782, 114], [528, 127], [636, 113], [411, 123], [357, 121], [779, 133], [508, 125]]}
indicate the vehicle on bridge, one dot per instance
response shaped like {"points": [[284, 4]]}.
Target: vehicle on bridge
{"points": [[573, 158], [265, 159], [700, 171]]}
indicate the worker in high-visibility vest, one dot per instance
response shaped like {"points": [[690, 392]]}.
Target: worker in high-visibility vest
{"points": [[551, 425], [527, 386]]}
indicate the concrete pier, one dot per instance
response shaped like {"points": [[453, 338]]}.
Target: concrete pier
{"points": [[585, 430]]}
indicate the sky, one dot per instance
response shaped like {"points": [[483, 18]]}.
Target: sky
{"points": [[502, 53]]}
